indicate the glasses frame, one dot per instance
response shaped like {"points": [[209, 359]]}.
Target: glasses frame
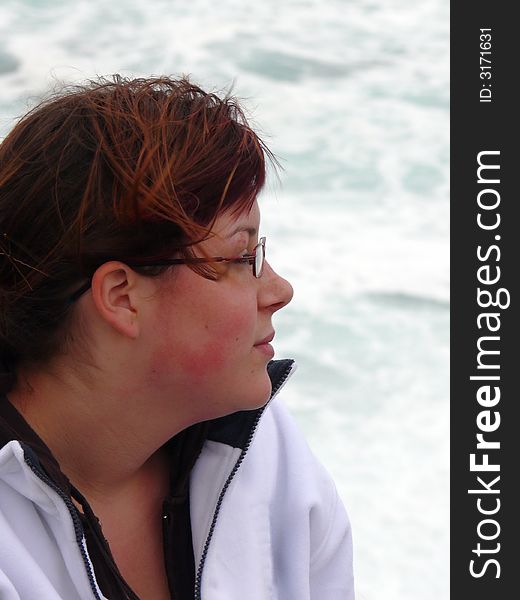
{"points": [[252, 259]]}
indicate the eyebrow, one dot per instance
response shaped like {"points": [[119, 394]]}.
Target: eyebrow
{"points": [[250, 230]]}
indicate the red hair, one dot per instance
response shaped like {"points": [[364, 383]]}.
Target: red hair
{"points": [[115, 169]]}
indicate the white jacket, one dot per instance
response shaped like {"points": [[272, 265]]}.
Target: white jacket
{"points": [[267, 523]]}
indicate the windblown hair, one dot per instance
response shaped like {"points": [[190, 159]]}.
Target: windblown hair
{"points": [[116, 169]]}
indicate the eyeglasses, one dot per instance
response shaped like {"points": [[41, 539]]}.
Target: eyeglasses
{"points": [[256, 259]]}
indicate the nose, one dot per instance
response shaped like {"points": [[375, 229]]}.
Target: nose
{"points": [[275, 291]]}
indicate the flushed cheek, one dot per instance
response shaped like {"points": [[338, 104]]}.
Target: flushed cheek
{"points": [[203, 353], [205, 360]]}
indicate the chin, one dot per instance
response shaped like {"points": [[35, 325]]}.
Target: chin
{"points": [[245, 392], [257, 395], [254, 394]]}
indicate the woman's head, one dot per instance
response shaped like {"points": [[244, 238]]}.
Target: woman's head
{"points": [[117, 170]]}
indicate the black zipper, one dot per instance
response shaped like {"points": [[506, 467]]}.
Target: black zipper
{"points": [[103, 547], [198, 578], [78, 527]]}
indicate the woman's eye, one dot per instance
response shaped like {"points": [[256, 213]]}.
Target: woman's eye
{"points": [[242, 254], [245, 254]]}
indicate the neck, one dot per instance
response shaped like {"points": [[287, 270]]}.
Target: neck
{"points": [[105, 443]]}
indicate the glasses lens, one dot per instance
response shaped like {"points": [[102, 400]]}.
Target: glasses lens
{"points": [[259, 258]]}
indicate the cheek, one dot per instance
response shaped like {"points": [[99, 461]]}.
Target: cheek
{"points": [[200, 361], [198, 350]]}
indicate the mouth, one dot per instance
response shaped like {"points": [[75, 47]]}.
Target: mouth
{"points": [[265, 347], [266, 340]]}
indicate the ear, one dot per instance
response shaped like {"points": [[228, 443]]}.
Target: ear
{"points": [[115, 296]]}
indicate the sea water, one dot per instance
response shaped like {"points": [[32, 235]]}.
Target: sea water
{"points": [[352, 96]]}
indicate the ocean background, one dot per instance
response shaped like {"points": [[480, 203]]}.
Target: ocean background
{"points": [[353, 97]]}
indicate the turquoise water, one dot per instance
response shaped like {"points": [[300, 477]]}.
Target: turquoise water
{"points": [[353, 97]]}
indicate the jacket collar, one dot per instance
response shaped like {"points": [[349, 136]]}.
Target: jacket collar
{"points": [[233, 430], [14, 427]]}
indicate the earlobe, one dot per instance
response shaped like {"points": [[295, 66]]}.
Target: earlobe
{"points": [[114, 296]]}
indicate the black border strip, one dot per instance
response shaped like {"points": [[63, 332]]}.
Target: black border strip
{"points": [[484, 127]]}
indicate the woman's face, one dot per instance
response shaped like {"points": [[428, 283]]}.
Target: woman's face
{"points": [[207, 335]]}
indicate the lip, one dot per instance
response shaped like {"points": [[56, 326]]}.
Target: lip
{"points": [[265, 347], [266, 340]]}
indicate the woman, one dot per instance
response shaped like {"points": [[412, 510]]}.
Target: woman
{"points": [[138, 456]]}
